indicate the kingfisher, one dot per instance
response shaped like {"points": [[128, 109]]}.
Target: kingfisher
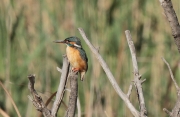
{"points": [[76, 55]]}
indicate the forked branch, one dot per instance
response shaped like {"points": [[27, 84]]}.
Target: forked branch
{"points": [[137, 80], [109, 75], [171, 73], [37, 100]]}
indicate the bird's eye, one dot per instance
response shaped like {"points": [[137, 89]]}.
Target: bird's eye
{"points": [[67, 41]]}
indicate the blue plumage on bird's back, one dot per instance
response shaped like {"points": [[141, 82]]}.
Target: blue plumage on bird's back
{"points": [[83, 55]]}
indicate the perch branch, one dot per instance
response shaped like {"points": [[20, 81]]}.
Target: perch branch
{"points": [[137, 81], [61, 88], [109, 75], [73, 95], [176, 110], [37, 100], [173, 20]]}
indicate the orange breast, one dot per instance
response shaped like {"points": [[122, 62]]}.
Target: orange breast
{"points": [[75, 59]]}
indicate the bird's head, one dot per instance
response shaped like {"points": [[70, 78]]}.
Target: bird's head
{"points": [[71, 41]]}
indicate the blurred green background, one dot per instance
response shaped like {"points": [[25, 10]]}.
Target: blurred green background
{"points": [[29, 27]]}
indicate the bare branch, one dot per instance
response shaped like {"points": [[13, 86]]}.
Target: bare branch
{"points": [[37, 100], [175, 27], [109, 74], [61, 88], [73, 95], [172, 76], [137, 81], [173, 20]]}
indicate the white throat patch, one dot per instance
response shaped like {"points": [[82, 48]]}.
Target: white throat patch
{"points": [[77, 45]]}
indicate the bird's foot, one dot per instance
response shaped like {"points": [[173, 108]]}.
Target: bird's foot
{"points": [[75, 69]]}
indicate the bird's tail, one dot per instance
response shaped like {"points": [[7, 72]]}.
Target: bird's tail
{"points": [[82, 74]]}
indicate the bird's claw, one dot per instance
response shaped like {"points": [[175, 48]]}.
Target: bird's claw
{"points": [[75, 69]]}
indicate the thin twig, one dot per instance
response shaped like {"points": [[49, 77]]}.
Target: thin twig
{"points": [[61, 88], [137, 81], [176, 110], [59, 70], [109, 74], [106, 114], [12, 101], [168, 112], [143, 81], [130, 90], [172, 76]]}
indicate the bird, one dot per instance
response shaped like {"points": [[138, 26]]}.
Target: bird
{"points": [[76, 55]]}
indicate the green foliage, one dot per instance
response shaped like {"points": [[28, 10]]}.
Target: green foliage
{"points": [[28, 29]]}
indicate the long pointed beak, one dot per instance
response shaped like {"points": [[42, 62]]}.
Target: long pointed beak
{"points": [[59, 41]]}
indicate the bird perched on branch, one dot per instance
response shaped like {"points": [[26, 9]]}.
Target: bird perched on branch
{"points": [[76, 55]]}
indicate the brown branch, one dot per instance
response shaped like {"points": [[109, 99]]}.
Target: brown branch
{"points": [[173, 20], [176, 110], [61, 88], [137, 81], [37, 100], [109, 75], [73, 95], [11, 99]]}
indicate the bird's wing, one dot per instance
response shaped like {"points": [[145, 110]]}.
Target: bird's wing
{"points": [[83, 54]]}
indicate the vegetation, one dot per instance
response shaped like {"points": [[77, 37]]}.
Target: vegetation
{"points": [[29, 27]]}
